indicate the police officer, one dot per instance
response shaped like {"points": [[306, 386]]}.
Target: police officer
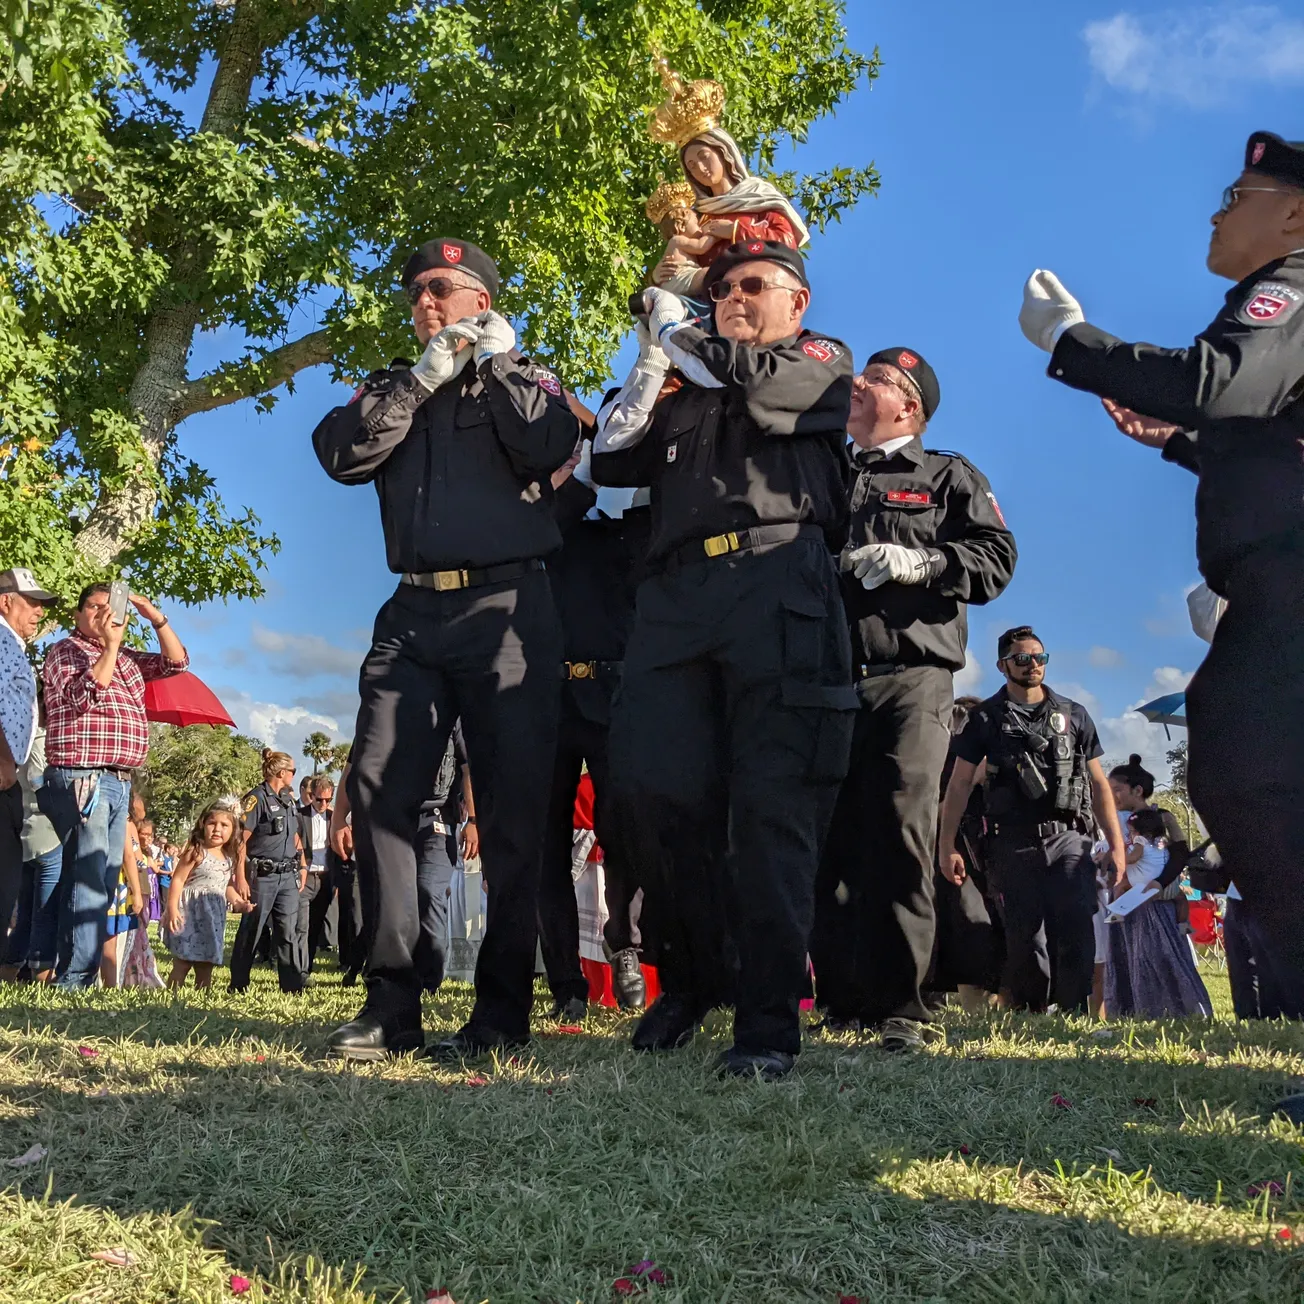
{"points": [[1044, 793], [460, 447], [271, 871], [733, 720], [926, 539], [594, 580]]}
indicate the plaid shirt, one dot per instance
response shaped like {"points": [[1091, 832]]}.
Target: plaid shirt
{"points": [[90, 727]]}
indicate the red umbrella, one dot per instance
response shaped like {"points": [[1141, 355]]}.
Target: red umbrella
{"points": [[183, 699]]}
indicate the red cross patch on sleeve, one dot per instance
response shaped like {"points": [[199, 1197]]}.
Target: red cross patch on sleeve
{"points": [[1270, 303], [821, 350], [546, 380]]}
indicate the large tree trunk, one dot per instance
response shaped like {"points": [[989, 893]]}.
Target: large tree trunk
{"points": [[158, 393]]}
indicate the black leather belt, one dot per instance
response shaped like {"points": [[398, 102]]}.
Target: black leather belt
{"points": [[1051, 829], [446, 580], [262, 866], [722, 545], [591, 669], [877, 672]]}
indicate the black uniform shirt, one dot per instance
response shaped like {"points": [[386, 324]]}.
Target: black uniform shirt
{"points": [[923, 499], [443, 802], [462, 473], [272, 823], [768, 447], [981, 738], [1239, 391]]}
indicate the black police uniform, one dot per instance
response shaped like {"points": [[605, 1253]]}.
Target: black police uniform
{"points": [[733, 720], [1238, 395], [272, 866], [874, 921], [1037, 803], [463, 480], [594, 579]]}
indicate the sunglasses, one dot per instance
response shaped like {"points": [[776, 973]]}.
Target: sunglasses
{"points": [[1028, 658], [749, 286], [323, 800], [438, 286]]}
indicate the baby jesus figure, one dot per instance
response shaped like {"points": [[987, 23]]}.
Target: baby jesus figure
{"points": [[689, 241]]}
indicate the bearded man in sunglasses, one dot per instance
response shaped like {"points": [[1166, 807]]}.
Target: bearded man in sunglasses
{"points": [[460, 447], [1037, 756], [732, 725]]}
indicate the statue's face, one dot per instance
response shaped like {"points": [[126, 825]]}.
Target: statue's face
{"points": [[705, 165]]}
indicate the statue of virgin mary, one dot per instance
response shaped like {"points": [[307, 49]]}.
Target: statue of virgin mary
{"points": [[731, 203]]}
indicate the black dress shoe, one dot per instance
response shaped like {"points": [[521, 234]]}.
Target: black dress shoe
{"points": [[1292, 1108], [668, 1025], [901, 1035], [389, 1023], [627, 979], [574, 1010], [766, 1064], [470, 1043]]}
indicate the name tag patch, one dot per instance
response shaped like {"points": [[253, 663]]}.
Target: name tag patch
{"points": [[1270, 301], [672, 451], [908, 498]]}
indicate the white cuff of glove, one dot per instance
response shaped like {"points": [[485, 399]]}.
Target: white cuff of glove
{"points": [[877, 564]]}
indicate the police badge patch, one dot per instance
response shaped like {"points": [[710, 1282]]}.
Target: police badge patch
{"points": [[1058, 723], [250, 802]]}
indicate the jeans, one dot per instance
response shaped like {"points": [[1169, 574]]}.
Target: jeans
{"points": [[434, 874], [94, 833], [34, 941]]}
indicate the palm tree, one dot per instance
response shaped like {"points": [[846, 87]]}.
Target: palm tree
{"points": [[317, 747]]}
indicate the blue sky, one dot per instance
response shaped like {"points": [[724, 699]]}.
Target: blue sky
{"points": [[1087, 138]]}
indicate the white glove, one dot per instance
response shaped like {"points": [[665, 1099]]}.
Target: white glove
{"points": [[442, 360], [665, 310], [496, 336], [877, 563], [1048, 310], [651, 356], [1206, 609]]}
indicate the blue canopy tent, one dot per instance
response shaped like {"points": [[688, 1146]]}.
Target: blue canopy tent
{"points": [[1166, 710]]}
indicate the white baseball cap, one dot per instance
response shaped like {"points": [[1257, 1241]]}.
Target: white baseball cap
{"points": [[21, 580]]}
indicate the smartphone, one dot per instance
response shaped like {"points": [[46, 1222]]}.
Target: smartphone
{"points": [[118, 595]]}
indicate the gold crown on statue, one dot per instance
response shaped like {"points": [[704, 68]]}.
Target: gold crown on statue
{"points": [[668, 195], [690, 109]]}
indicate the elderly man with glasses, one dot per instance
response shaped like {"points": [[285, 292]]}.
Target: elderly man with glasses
{"points": [[927, 539], [731, 727], [460, 447], [1230, 408]]}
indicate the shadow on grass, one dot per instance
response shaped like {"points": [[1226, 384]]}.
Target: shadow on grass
{"points": [[542, 1180]]}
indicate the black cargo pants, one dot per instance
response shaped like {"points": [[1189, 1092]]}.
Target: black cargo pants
{"points": [[730, 735], [488, 655]]}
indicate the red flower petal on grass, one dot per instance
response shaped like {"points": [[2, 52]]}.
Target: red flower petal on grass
{"points": [[477, 1081], [88, 1052], [239, 1285], [657, 1276], [623, 1286], [848, 1299], [640, 1268], [1258, 1188], [845, 1086], [1060, 1102], [1285, 1234], [439, 1296], [571, 1028], [964, 1150], [1144, 1102]]}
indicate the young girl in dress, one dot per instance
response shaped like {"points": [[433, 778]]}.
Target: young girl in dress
{"points": [[1147, 853], [194, 923]]}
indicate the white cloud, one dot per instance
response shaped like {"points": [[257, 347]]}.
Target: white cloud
{"points": [[1196, 56], [1130, 732], [966, 681], [1105, 658], [281, 727], [305, 654]]}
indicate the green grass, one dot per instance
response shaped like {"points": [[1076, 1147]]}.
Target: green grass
{"points": [[209, 1138]]}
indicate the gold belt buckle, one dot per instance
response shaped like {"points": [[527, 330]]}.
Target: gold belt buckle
{"points": [[581, 669], [719, 544], [450, 579]]}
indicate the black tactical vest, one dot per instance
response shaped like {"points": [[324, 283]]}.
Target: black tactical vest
{"points": [[1037, 769]]}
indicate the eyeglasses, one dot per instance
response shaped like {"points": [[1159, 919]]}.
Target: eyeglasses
{"points": [[1027, 658], [1233, 193], [882, 378], [323, 800], [438, 286], [749, 287]]}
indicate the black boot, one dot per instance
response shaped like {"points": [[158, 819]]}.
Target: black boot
{"points": [[389, 1023], [627, 979], [574, 1009], [668, 1025], [769, 1065], [470, 1042]]}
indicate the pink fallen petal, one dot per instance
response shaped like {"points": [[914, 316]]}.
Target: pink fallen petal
{"points": [[964, 1150], [1145, 1102], [88, 1052], [1272, 1188], [570, 1028], [1060, 1102], [477, 1081], [624, 1286], [640, 1268], [29, 1157], [657, 1276], [240, 1285], [848, 1299], [439, 1297], [118, 1257]]}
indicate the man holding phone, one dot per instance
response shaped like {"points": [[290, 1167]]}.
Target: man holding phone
{"points": [[96, 735]]}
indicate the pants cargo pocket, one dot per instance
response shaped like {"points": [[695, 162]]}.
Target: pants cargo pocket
{"points": [[826, 714]]}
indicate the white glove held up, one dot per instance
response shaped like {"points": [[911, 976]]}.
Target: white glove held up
{"points": [[496, 336], [1048, 310], [878, 563], [1206, 609], [664, 310], [442, 360]]}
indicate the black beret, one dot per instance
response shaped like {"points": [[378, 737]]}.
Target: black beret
{"points": [[1273, 157], [447, 252], [753, 251], [911, 364]]}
